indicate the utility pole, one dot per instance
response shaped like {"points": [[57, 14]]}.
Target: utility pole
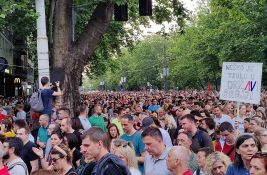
{"points": [[42, 42]]}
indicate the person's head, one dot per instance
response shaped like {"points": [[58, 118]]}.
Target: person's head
{"points": [[227, 131], [65, 125], [246, 146], [261, 134], [255, 123], [125, 151], [60, 156], [20, 123], [141, 116], [258, 164], [208, 124], [260, 111], [44, 81], [52, 127], [97, 110], [242, 110], [217, 111], [188, 122], [198, 117], [127, 123], [184, 104], [12, 147], [121, 112], [71, 140], [84, 110], [56, 138], [94, 143], [178, 157], [246, 124], [153, 141], [217, 163], [23, 134], [184, 139], [44, 120], [202, 154], [161, 113], [113, 131], [76, 124], [63, 113], [154, 102]]}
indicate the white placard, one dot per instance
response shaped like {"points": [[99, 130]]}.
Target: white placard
{"points": [[241, 82]]}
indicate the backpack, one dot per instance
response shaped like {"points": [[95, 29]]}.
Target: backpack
{"points": [[19, 164], [36, 101]]}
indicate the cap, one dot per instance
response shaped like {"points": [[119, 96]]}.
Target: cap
{"points": [[147, 121]]}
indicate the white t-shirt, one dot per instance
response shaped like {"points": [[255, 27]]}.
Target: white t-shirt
{"points": [[224, 118], [20, 169]]}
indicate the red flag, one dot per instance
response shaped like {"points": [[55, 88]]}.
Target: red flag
{"points": [[209, 87]]}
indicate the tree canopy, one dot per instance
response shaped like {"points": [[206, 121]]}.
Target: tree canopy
{"points": [[225, 30]]}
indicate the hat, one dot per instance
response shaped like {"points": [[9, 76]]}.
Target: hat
{"points": [[147, 121]]}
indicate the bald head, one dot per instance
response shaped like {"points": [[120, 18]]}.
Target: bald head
{"points": [[43, 120]]}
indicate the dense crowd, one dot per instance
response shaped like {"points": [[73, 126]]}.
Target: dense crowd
{"points": [[122, 133]]}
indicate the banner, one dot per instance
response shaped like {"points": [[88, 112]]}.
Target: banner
{"points": [[241, 82]]}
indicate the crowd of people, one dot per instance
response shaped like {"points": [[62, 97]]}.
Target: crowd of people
{"points": [[122, 133]]}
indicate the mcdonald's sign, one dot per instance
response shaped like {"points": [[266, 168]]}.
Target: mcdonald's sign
{"points": [[17, 81]]}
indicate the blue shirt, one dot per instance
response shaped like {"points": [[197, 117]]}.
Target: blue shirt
{"points": [[234, 170], [47, 101], [139, 146], [153, 108]]}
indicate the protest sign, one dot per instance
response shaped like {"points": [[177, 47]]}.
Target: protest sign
{"points": [[241, 82]]}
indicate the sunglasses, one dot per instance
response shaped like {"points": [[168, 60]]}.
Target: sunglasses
{"points": [[121, 143]]}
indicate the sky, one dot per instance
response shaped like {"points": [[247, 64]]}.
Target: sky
{"points": [[190, 5]]}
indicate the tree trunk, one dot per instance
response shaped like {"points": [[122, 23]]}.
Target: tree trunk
{"points": [[74, 56]]}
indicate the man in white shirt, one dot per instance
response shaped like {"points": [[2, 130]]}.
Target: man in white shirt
{"points": [[15, 164], [84, 117], [219, 117]]}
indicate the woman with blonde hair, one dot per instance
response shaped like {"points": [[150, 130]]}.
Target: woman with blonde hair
{"points": [[261, 134], [125, 151], [216, 164]]}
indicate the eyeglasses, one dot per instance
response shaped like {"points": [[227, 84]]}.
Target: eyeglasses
{"points": [[55, 159]]}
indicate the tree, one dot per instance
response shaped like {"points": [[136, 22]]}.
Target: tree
{"points": [[91, 43]]}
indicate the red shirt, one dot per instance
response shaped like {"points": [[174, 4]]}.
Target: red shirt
{"points": [[188, 172], [4, 171], [226, 150], [2, 116]]}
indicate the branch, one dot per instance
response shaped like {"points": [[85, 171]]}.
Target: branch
{"points": [[96, 27]]}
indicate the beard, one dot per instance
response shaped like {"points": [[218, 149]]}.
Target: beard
{"points": [[6, 156]]}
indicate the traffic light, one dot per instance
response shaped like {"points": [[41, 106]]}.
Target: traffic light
{"points": [[121, 12], [145, 7]]}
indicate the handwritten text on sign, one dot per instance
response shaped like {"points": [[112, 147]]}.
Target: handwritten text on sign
{"points": [[241, 82]]}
